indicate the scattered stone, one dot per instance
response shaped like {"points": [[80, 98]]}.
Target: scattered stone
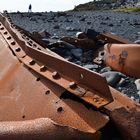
{"points": [[137, 41], [111, 25], [106, 69], [56, 27], [83, 19], [77, 53], [80, 35], [138, 93], [122, 82], [71, 29], [91, 66], [137, 83], [46, 40], [112, 77], [44, 34]]}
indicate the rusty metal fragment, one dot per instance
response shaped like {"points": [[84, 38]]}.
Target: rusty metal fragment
{"points": [[85, 43], [124, 58], [111, 38], [43, 128], [29, 90], [69, 73], [125, 114]]}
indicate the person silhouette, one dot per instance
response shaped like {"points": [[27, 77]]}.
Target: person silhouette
{"points": [[30, 8]]}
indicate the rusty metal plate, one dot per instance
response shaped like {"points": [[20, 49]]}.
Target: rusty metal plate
{"points": [[26, 95], [69, 73], [124, 58], [111, 38]]}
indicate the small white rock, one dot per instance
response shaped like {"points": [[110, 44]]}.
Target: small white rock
{"points": [[137, 82]]}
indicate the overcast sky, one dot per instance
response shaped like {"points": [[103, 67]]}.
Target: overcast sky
{"points": [[39, 5]]}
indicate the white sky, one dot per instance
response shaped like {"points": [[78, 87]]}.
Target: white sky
{"points": [[39, 5]]}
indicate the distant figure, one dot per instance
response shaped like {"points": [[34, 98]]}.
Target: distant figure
{"points": [[30, 8]]}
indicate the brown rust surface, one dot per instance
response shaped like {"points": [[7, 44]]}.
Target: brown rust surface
{"points": [[124, 58], [111, 38], [125, 114], [26, 95], [69, 73], [42, 129]]}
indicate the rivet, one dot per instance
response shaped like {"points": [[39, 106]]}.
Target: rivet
{"points": [[31, 62], [55, 75], [9, 37], [95, 100], [2, 28], [13, 43], [27, 38], [18, 49], [47, 92], [5, 33], [38, 48], [72, 85], [43, 68], [60, 109], [29, 43], [34, 45]]}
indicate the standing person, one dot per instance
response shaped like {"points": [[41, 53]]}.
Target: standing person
{"points": [[30, 8]]}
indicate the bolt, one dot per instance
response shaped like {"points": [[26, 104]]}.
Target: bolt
{"points": [[72, 85], [5, 33], [55, 75], [29, 43], [95, 99], [2, 28], [34, 45], [18, 49], [13, 43], [32, 62], [43, 68], [9, 37]]}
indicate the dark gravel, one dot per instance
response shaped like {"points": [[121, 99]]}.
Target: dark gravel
{"points": [[120, 23]]}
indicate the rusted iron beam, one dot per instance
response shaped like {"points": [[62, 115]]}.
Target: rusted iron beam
{"points": [[125, 114], [111, 38], [43, 129], [26, 95], [85, 82]]}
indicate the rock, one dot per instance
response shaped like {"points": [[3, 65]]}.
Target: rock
{"points": [[91, 33], [78, 62], [54, 37], [80, 35], [88, 23], [112, 77], [91, 66], [71, 29], [111, 25], [56, 27], [123, 82], [106, 69], [137, 83], [46, 40], [138, 93], [83, 19], [77, 53], [137, 41]]}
